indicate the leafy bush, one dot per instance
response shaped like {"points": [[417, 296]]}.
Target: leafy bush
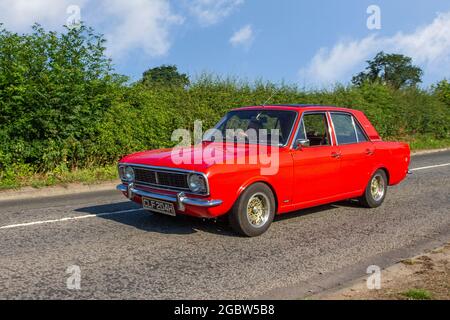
{"points": [[63, 108], [54, 88], [442, 91], [146, 117], [418, 294]]}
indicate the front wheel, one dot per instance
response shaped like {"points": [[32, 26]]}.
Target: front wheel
{"points": [[253, 212], [375, 191]]}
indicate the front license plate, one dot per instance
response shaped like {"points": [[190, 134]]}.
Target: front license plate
{"points": [[159, 206]]}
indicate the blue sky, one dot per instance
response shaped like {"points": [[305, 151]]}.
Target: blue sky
{"points": [[309, 43]]}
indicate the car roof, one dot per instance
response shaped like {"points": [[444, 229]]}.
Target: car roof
{"points": [[295, 107]]}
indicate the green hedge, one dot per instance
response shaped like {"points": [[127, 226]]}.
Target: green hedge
{"points": [[63, 108], [146, 118], [139, 119]]}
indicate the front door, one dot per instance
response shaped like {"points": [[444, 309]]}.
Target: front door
{"points": [[316, 164]]}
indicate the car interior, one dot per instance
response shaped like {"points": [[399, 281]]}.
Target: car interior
{"points": [[315, 128]]}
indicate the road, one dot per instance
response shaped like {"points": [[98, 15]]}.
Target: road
{"points": [[125, 253]]}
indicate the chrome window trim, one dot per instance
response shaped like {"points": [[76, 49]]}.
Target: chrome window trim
{"points": [[169, 170], [354, 129], [336, 143], [357, 123], [298, 128], [292, 129], [354, 121]]}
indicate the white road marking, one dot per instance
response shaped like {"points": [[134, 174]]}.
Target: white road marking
{"points": [[66, 219], [431, 167]]}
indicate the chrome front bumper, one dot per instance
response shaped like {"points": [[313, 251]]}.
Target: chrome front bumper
{"points": [[180, 198]]}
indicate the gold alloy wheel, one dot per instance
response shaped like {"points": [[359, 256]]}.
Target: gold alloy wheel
{"points": [[258, 210], [377, 187]]}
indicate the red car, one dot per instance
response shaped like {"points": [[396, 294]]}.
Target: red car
{"points": [[301, 156]]}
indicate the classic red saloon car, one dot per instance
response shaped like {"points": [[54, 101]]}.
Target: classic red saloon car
{"points": [[324, 154]]}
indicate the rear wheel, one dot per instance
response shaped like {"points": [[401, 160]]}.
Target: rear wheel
{"points": [[254, 211], [375, 191]]}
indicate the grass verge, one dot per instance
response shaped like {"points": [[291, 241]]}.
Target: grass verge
{"points": [[425, 277], [427, 143], [20, 176], [418, 294]]}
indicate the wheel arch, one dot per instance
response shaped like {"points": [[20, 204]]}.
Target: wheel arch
{"points": [[263, 181], [380, 165], [386, 171]]}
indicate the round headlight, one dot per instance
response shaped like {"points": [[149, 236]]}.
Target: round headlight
{"points": [[197, 183], [128, 174]]}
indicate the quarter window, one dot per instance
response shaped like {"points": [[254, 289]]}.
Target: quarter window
{"points": [[347, 130], [360, 133]]}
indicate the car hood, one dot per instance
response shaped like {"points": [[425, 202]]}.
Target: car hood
{"points": [[197, 158]]}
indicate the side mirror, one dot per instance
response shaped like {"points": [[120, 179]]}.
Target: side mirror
{"points": [[301, 143]]}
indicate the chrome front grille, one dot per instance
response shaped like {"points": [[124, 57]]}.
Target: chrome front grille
{"points": [[163, 179], [145, 176]]}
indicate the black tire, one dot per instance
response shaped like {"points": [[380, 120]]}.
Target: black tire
{"points": [[372, 199], [240, 221]]}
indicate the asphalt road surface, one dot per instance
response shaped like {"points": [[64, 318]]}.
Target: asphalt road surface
{"points": [[123, 252]]}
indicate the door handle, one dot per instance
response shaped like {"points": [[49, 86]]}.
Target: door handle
{"points": [[336, 155], [369, 152]]}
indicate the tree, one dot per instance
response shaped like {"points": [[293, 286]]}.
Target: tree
{"points": [[442, 91], [395, 70], [165, 76]]}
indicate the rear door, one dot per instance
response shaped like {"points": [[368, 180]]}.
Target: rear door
{"points": [[356, 152], [316, 167]]}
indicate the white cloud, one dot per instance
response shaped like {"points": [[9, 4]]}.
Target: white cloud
{"points": [[243, 37], [127, 25], [429, 46], [328, 66], [140, 24], [210, 12], [19, 15]]}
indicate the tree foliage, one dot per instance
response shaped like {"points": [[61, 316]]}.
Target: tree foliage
{"points": [[165, 76], [395, 70], [442, 91], [54, 88]]}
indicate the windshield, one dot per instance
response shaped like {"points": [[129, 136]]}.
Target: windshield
{"points": [[255, 126]]}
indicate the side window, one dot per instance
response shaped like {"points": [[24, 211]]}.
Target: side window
{"points": [[347, 129], [344, 129], [315, 127]]}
